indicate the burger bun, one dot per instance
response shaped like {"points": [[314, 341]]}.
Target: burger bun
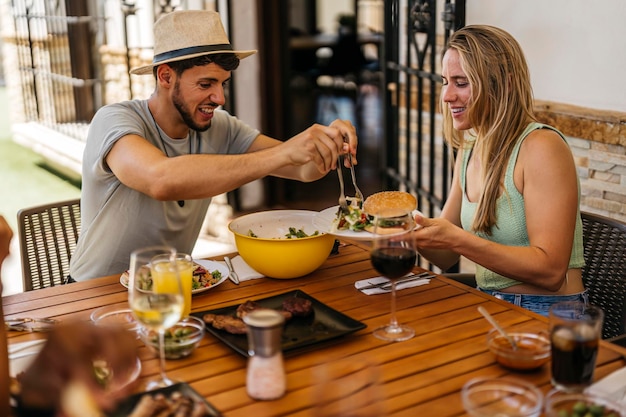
{"points": [[389, 202]]}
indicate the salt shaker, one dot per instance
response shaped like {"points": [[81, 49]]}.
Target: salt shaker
{"points": [[265, 379]]}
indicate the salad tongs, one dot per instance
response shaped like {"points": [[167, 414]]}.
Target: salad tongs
{"points": [[343, 202], [358, 193]]}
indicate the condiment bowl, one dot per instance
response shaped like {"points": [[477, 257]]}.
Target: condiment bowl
{"points": [[115, 316], [512, 397], [180, 340], [262, 241], [533, 349], [561, 404]]}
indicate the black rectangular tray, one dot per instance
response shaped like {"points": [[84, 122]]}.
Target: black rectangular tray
{"points": [[127, 406], [324, 324]]}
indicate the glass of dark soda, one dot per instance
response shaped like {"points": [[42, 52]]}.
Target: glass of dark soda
{"points": [[575, 330]]}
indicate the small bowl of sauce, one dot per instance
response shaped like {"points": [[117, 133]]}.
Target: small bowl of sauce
{"points": [[533, 349]]}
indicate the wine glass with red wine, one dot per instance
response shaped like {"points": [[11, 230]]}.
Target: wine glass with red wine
{"points": [[393, 255]]}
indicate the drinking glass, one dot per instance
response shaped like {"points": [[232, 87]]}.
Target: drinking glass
{"points": [[575, 332], [160, 308], [393, 255], [185, 270], [348, 387], [506, 397]]}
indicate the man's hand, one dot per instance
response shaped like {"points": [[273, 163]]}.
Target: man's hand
{"points": [[321, 146]]}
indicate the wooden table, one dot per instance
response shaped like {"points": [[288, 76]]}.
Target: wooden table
{"points": [[422, 376]]}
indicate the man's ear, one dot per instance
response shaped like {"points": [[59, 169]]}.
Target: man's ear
{"points": [[164, 74]]}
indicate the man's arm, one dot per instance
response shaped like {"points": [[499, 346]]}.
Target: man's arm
{"points": [[306, 157]]}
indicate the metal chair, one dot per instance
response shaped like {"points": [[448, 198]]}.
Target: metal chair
{"points": [[604, 273], [48, 236]]}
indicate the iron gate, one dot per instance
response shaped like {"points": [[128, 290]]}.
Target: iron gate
{"points": [[71, 61], [53, 49], [416, 158]]}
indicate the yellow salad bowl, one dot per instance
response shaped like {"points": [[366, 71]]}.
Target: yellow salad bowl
{"points": [[261, 240]]}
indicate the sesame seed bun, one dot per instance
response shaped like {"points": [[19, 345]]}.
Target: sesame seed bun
{"points": [[389, 201]]}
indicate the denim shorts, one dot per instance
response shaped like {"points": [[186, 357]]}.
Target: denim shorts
{"points": [[540, 304]]}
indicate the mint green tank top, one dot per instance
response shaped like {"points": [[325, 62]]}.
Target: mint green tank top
{"points": [[510, 228]]}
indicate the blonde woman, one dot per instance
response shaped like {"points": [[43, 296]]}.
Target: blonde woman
{"points": [[513, 207]]}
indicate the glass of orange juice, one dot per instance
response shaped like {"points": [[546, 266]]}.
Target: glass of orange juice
{"points": [[156, 310], [163, 281]]}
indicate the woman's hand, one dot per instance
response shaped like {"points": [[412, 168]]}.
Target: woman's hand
{"points": [[435, 239], [435, 233]]}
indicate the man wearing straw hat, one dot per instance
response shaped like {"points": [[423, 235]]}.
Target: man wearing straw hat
{"points": [[151, 167]]}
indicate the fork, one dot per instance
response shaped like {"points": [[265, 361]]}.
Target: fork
{"points": [[358, 193], [343, 202]]}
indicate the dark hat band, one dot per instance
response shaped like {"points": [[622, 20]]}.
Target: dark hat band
{"points": [[191, 51]]}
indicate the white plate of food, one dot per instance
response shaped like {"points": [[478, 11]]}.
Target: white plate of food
{"points": [[207, 274], [355, 225], [328, 222]]}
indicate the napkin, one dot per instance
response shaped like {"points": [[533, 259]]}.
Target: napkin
{"points": [[30, 347], [381, 280], [21, 355], [243, 270], [612, 386]]}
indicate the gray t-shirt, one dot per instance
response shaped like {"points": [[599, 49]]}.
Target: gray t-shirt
{"points": [[116, 219]]}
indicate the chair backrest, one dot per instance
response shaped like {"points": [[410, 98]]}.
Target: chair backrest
{"points": [[48, 236], [604, 274]]}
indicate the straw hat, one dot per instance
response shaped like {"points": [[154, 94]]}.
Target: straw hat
{"points": [[188, 34]]}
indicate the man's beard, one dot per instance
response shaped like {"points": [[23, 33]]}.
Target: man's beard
{"points": [[184, 113]]}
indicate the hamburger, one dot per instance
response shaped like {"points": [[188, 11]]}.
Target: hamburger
{"points": [[388, 204]]}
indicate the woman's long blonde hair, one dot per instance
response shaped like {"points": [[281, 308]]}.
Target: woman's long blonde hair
{"points": [[500, 108]]}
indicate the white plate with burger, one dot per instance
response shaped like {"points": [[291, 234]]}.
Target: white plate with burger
{"points": [[357, 223], [207, 274]]}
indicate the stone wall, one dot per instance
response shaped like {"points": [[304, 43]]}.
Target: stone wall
{"points": [[598, 141], [602, 171], [116, 77]]}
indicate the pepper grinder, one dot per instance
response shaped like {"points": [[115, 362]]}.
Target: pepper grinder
{"points": [[265, 379]]}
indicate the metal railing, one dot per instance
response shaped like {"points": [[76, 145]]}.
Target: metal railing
{"points": [[416, 157], [57, 89], [70, 60]]}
